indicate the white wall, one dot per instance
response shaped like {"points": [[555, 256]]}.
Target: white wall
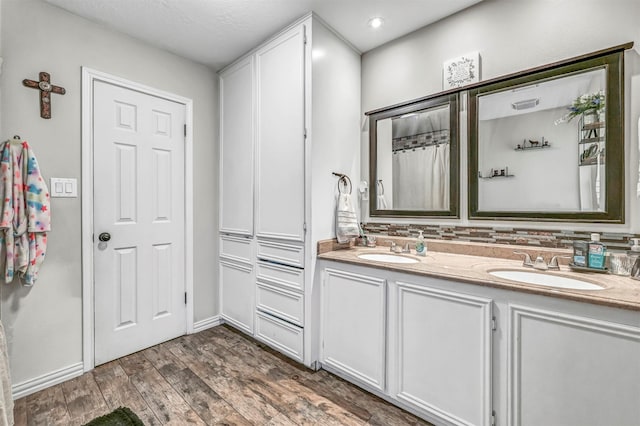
{"points": [[44, 323], [549, 176], [335, 127], [511, 36]]}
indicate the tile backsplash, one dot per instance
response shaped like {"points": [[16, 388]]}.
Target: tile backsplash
{"points": [[499, 235]]}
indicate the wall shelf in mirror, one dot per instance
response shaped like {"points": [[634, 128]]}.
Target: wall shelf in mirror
{"points": [[548, 189], [537, 145], [497, 177]]}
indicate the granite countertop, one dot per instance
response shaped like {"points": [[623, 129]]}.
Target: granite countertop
{"points": [[451, 263]]}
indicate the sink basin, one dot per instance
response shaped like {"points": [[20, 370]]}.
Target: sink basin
{"points": [[548, 280], [389, 258]]}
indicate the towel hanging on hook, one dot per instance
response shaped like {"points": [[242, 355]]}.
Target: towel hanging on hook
{"points": [[347, 226], [25, 212], [344, 179]]}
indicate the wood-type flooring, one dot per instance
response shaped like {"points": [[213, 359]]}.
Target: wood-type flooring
{"points": [[215, 377]]}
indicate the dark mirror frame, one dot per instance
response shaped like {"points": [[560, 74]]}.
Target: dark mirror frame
{"points": [[612, 60], [450, 99]]}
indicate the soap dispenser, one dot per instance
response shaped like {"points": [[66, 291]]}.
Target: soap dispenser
{"points": [[421, 248]]}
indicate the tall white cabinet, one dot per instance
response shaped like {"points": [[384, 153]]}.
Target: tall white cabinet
{"points": [[290, 112], [280, 100]]}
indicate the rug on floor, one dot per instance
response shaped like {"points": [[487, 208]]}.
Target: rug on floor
{"points": [[121, 416]]}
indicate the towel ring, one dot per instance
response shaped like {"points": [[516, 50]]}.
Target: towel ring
{"points": [[344, 179]]}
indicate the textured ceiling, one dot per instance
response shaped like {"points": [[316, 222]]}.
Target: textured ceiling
{"points": [[215, 32]]}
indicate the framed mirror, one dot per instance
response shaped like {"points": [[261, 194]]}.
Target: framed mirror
{"points": [[413, 159], [548, 144]]}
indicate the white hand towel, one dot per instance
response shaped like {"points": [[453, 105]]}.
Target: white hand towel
{"points": [[346, 219], [382, 203]]}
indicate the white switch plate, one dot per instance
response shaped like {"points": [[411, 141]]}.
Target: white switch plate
{"points": [[64, 187]]}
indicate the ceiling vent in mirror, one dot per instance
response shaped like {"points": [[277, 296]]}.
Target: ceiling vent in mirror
{"points": [[526, 104]]}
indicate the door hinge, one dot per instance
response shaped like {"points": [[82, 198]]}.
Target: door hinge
{"points": [[304, 38], [185, 297], [493, 418], [305, 133], [185, 130], [494, 324], [304, 227]]}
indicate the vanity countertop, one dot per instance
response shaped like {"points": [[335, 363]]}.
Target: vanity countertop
{"points": [[620, 292]]}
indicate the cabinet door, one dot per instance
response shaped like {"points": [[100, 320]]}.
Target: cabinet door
{"points": [[237, 294], [280, 136], [236, 149], [353, 326], [571, 370], [440, 353]]}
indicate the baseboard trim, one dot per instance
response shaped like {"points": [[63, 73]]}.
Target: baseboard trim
{"points": [[207, 323], [46, 380]]}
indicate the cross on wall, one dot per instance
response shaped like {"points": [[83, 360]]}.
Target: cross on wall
{"points": [[46, 88]]}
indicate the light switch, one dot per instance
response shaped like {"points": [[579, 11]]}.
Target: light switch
{"points": [[64, 187]]}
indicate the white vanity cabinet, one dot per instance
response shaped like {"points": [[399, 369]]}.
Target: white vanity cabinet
{"points": [[440, 351], [567, 369], [353, 326], [465, 354], [287, 121]]}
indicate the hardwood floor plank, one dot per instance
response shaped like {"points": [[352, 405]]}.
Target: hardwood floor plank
{"points": [[83, 395], [164, 401], [225, 381], [20, 412], [216, 377], [163, 360], [135, 363], [382, 412], [210, 406], [350, 398], [276, 386], [47, 407], [118, 391], [295, 378]]}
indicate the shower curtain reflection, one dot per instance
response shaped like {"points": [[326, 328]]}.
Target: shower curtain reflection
{"points": [[421, 178]]}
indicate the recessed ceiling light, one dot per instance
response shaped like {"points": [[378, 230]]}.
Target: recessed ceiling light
{"points": [[376, 22]]}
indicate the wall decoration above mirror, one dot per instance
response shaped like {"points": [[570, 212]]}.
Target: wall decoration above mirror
{"points": [[548, 143], [413, 150]]}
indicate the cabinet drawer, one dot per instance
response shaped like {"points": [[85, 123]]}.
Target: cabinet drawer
{"points": [[280, 335], [284, 276], [236, 248], [285, 253], [284, 304]]}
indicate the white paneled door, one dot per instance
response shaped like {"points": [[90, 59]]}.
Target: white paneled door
{"points": [[139, 220]]}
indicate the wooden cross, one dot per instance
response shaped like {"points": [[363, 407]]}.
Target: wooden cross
{"points": [[46, 88]]}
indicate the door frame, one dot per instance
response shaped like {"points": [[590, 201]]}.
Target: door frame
{"points": [[89, 76]]}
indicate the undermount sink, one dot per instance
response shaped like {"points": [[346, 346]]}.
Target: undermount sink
{"points": [[547, 280], [389, 258]]}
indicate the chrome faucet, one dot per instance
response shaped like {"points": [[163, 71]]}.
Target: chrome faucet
{"points": [[539, 263], [527, 259], [406, 248], [394, 248]]}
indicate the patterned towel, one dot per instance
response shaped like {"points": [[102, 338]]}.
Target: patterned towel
{"points": [[25, 212]]}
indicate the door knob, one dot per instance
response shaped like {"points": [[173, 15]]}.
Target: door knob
{"points": [[105, 236]]}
